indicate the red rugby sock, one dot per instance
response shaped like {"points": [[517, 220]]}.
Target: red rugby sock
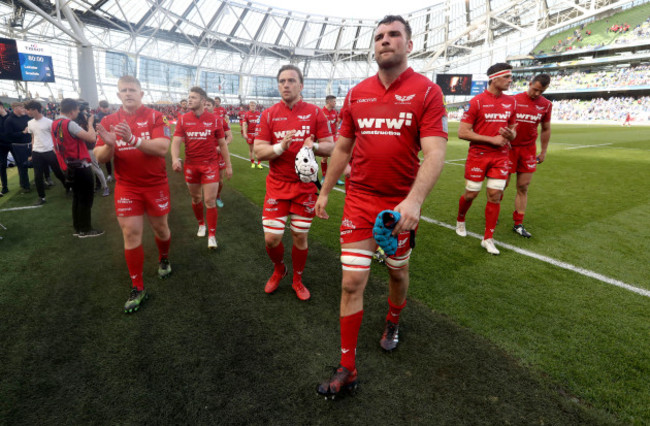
{"points": [[276, 254], [394, 311], [299, 260], [163, 248], [463, 207], [491, 217], [211, 215], [350, 326], [518, 217], [134, 261], [198, 212]]}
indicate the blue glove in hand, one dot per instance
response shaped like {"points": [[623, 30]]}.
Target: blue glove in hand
{"points": [[384, 225]]}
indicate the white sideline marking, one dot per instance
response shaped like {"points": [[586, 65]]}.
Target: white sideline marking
{"points": [[20, 208], [589, 146], [546, 259]]}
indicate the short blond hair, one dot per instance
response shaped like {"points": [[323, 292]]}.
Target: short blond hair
{"points": [[129, 79]]}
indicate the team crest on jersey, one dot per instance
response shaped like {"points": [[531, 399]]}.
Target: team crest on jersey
{"points": [[165, 120], [506, 105], [142, 124], [404, 98], [304, 117], [207, 123], [540, 108]]}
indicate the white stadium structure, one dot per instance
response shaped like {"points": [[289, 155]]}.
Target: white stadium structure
{"points": [[234, 48]]}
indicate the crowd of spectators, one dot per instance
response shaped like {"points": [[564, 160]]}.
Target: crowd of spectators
{"points": [[576, 80], [612, 109]]}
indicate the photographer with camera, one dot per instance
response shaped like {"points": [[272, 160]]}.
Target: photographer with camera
{"points": [[70, 145], [87, 121]]}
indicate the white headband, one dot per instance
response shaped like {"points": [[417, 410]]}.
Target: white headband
{"points": [[500, 74]]}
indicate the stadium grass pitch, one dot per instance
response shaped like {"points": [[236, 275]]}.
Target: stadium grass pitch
{"points": [[486, 340]]}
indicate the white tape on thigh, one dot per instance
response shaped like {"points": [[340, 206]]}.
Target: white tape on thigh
{"points": [[472, 186], [398, 262], [499, 184], [274, 225], [300, 223], [356, 260]]}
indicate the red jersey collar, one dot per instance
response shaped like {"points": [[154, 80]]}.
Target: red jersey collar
{"points": [[297, 104], [125, 113], [492, 95], [403, 76]]}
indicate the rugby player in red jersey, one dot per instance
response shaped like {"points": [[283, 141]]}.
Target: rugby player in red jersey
{"points": [[533, 109], [137, 139], [283, 130], [489, 126], [214, 106], [198, 130], [333, 118], [386, 119], [251, 120]]}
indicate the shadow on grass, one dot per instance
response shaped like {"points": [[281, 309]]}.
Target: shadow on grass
{"points": [[211, 347]]}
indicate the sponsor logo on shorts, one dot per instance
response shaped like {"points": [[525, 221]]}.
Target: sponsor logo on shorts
{"points": [[273, 209], [476, 176], [124, 209], [123, 200], [210, 176], [271, 201], [476, 169], [347, 223], [346, 232]]}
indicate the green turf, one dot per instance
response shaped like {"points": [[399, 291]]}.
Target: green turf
{"points": [[486, 340]]}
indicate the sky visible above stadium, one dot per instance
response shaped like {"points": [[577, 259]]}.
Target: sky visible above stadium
{"points": [[354, 9]]}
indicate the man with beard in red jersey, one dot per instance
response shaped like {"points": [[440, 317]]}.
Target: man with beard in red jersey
{"points": [[283, 130], [533, 109], [386, 119], [201, 132]]}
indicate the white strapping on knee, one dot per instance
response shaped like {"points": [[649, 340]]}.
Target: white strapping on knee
{"points": [[274, 225], [300, 223], [355, 259], [499, 184], [398, 262], [472, 186]]}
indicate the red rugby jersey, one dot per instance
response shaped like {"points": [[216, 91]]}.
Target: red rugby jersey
{"points": [[488, 113], [332, 116], [387, 125], [220, 112], [201, 134], [275, 122], [529, 113], [133, 167], [252, 118]]}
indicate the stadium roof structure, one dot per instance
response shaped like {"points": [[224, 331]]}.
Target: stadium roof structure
{"points": [[249, 38]]}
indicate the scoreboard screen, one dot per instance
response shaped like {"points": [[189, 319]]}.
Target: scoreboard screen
{"points": [[26, 61]]}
